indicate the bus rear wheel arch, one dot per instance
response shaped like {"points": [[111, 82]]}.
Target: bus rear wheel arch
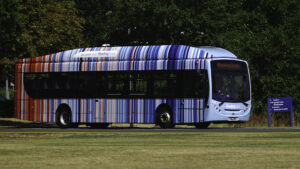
{"points": [[164, 117], [64, 117]]}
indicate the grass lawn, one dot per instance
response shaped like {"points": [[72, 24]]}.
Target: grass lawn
{"points": [[149, 150]]}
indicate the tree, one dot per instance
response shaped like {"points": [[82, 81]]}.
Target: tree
{"points": [[10, 23], [52, 26], [33, 28]]}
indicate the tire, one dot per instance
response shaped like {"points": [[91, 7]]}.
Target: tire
{"points": [[64, 117], [164, 118], [202, 125]]}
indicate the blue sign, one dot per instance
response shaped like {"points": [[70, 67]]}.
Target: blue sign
{"points": [[280, 104]]}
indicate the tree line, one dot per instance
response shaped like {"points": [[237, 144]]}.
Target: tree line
{"points": [[263, 32]]}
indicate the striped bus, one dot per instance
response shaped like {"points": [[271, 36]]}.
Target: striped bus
{"points": [[164, 85]]}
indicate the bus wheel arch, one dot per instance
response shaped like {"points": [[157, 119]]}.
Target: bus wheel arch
{"points": [[164, 116], [63, 116]]}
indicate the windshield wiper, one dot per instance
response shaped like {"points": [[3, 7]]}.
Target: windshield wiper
{"points": [[245, 104], [222, 102]]}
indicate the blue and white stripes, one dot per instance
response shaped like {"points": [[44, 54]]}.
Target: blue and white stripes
{"points": [[100, 110]]}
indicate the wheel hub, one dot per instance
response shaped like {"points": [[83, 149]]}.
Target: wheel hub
{"points": [[165, 117]]}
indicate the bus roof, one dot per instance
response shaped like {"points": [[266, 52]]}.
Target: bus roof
{"points": [[134, 53]]}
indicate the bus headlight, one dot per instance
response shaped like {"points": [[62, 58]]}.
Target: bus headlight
{"points": [[216, 107], [247, 108]]}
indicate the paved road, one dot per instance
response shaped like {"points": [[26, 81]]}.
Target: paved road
{"points": [[7, 125], [53, 129]]}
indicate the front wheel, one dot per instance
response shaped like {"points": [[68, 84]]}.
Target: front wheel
{"points": [[165, 118]]}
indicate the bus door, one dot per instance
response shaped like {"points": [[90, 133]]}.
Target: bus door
{"points": [[194, 91], [203, 89], [190, 110]]}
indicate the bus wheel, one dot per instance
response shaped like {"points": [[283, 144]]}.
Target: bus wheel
{"points": [[164, 118], [63, 117], [202, 125]]}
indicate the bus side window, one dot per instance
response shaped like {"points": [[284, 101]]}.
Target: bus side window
{"points": [[172, 85], [160, 87], [87, 85], [165, 84], [30, 84], [65, 84], [100, 84], [116, 84], [121, 80], [138, 84], [195, 84]]}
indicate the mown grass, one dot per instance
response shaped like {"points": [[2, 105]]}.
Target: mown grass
{"points": [[149, 150]]}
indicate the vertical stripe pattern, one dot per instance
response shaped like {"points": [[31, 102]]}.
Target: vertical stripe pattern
{"points": [[99, 110]]}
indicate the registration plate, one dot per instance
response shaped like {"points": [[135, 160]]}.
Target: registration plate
{"points": [[232, 119]]}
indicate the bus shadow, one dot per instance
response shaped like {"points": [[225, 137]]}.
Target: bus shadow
{"points": [[18, 124]]}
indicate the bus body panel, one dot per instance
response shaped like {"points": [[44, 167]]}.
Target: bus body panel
{"points": [[113, 110], [228, 112], [43, 110], [138, 110]]}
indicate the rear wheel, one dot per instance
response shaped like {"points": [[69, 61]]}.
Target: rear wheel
{"points": [[64, 117], [202, 125], [165, 118]]}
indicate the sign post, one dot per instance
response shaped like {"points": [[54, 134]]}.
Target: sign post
{"points": [[280, 104]]}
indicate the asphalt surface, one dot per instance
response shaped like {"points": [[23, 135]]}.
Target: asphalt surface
{"points": [[7, 125], [54, 129]]}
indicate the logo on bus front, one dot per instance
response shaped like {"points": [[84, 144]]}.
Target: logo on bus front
{"points": [[231, 106]]}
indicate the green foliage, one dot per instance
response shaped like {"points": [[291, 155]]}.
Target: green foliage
{"points": [[31, 28], [51, 26], [265, 33]]}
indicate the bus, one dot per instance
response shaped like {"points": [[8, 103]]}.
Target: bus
{"points": [[164, 85]]}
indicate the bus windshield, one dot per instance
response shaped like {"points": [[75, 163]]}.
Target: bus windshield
{"points": [[230, 81]]}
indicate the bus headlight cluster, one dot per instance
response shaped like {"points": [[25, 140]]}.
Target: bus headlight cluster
{"points": [[217, 108], [247, 108]]}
